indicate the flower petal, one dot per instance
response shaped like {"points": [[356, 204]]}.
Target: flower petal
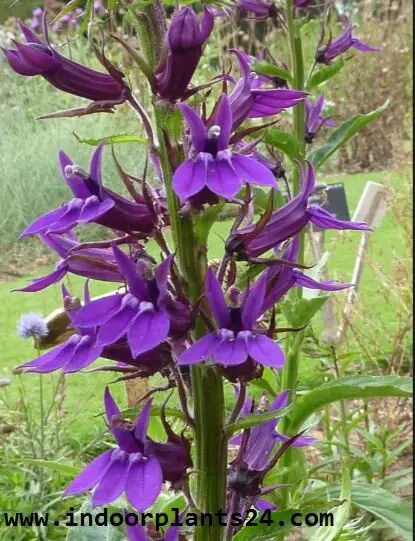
{"points": [[216, 299], [197, 128], [94, 208], [86, 353], [223, 119], [44, 222], [221, 177], [117, 326], [112, 483], [231, 352], [148, 330], [253, 171], [265, 351], [98, 311], [200, 350], [144, 482], [252, 308], [91, 475], [189, 178]]}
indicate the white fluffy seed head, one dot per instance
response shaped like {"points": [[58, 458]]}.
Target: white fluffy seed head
{"points": [[32, 325]]}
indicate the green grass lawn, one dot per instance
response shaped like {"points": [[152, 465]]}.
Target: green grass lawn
{"points": [[84, 392]]}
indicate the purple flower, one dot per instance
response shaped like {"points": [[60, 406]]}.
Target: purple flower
{"points": [[95, 263], [287, 221], [337, 46], [236, 339], [78, 351], [215, 167], [281, 278], [313, 119], [130, 467], [262, 8], [247, 100], [36, 58], [183, 50], [258, 453], [139, 312], [93, 203]]}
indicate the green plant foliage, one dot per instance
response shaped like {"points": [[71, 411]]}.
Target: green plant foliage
{"points": [[324, 74]]}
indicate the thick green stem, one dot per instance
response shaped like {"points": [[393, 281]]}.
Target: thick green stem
{"points": [[207, 384]]}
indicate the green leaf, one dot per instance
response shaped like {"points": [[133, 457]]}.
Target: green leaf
{"points": [[113, 139], [300, 312], [60, 467], [349, 387], [340, 136], [256, 419], [205, 221], [111, 5], [273, 71], [284, 141], [324, 74], [381, 503], [70, 6], [96, 532], [88, 14], [261, 198], [267, 382], [340, 515]]}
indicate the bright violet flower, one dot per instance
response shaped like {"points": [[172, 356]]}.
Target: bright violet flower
{"points": [[257, 453], [130, 467], [36, 58], [236, 340], [248, 100], [281, 278], [215, 166], [185, 39], [337, 46], [94, 263], [262, 8], [139, 313], [93, 203], [78, 351], [287, 221], [313, 119]]}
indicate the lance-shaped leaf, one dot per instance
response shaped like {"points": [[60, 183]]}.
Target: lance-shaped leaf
{"points": [[343, 134], [324, 74], [300, 312], [112, 139], [272, 70], [284, 141], [349, 387], [256, 419]]}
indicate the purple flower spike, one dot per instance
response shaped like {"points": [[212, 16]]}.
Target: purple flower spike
{"points": [[36, 58], [216, 167], [185, 40], [236, 341], [129, 468], [93, 202], [341, 44], [287, 221], [313, 119], [139, 313], [247, 100]]}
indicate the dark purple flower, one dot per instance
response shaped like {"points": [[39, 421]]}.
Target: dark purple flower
{"points": [[248, 100], [281, 278], [95, 263], [216, 167], [183, 50], [93, 203], [337, 46], [236, 339], [79, 350], [313, 119], [139, 312], [130, 467], [287, 221], [36, 58], [262, 8]]}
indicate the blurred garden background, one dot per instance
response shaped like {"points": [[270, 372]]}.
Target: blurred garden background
{"points": [[38, 415]]}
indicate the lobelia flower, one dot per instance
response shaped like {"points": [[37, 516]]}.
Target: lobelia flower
{"points": [[79, 350], [284, 223], [182, 52], [36, 58], [216, 168], [236, 341], [313, 119], [95, 263], [281, 278], [130, 467], [94, 203], [258, 452], [337, 46], [139, 312], [248, 100]]}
